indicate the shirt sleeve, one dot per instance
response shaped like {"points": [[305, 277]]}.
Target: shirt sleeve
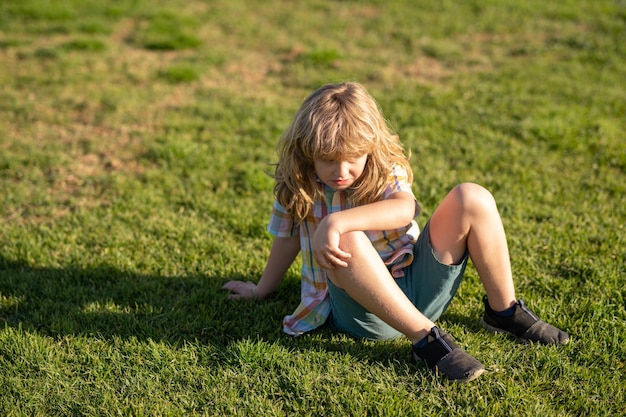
{"points": [[398, 181], [281, 223]]}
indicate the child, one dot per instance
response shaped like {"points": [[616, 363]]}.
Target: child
{"points": [[343, 199]]}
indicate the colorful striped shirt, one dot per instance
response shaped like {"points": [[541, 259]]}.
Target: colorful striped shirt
{"points": [[395, 248]]}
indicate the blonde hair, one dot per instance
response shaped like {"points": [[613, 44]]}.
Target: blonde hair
{"points": [[337, 122]]}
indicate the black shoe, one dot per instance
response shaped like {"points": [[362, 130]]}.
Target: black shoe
{"points": [[441, 355], [524, 325]]}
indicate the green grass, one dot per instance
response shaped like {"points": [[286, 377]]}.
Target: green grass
{"points": [[135, 142]]}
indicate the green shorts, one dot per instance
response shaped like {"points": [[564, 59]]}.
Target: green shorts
{"points": [[428, 283]]}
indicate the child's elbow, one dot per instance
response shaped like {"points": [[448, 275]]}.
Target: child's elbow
{"points": [[408, 219], [408, 212], [403, 208]]}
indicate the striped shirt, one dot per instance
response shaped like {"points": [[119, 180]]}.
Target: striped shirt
{"points": [[395, 248]]}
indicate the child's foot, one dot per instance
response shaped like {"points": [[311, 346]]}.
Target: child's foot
{"points": [[523, 324], [442, 355]]}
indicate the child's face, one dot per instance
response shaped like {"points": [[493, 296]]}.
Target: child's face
{"points": [[340, 175]]}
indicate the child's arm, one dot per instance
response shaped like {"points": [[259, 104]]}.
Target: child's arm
{"points": [[283, 253], [394, 212]]}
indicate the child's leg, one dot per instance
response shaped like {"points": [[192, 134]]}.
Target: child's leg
{"points": [[468, 220], [368, 282]]}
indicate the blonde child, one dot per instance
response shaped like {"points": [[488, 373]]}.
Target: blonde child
{"points": [[343, 200]]}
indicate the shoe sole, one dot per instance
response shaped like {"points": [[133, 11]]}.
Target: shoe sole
{"points": [[493, 329], [497, 330], [471, 377]]}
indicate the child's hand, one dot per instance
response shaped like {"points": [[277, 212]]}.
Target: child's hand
{"points": [[326, 249], [240, 289]]}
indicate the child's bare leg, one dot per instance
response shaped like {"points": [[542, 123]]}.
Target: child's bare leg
{"points": [[468, 219], [368, 282]]}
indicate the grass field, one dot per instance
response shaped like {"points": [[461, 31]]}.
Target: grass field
{"points": [[135, 141]]}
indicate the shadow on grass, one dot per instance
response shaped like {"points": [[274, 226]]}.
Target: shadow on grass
{"points": [[106, 302]]}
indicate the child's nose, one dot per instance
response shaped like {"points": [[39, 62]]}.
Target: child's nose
{"points": [[343, 168]]}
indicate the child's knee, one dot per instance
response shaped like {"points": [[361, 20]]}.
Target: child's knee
{"points": [[472, 196], [353, 241]]}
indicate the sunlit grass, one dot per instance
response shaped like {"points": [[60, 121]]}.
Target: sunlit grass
{"points": [[136, 140]]}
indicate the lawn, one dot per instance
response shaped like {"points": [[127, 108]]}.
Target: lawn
{"points": [[136, 139]]}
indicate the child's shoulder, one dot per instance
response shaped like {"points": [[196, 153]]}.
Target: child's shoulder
{"points": [[398, 172]]}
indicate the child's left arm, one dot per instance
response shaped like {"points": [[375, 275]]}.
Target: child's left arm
{"points": [[395, 211], [283, 253]]}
